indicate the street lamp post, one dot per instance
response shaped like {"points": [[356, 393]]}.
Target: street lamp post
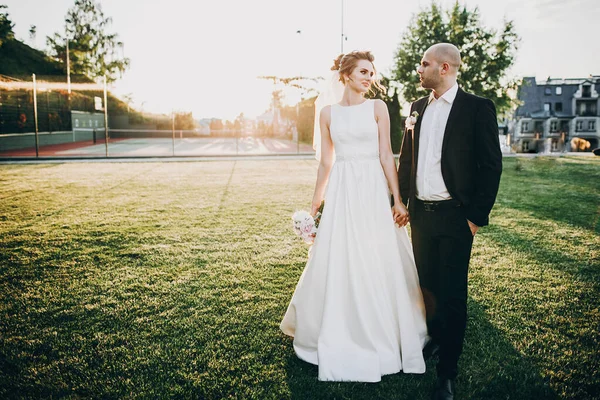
{"points": [[342, 38], [299, 32]]}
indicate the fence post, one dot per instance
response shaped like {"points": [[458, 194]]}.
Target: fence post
{"points": [[297, 130], [173, 132], [105, 117], [35, 117]]}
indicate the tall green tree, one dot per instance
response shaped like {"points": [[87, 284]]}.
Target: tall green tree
{"points": [[6, 26], [93, 51], [390, 97], [486, 53]]}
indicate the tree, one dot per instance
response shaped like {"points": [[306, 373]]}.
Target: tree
{"points": [[216, 125], [184, 121], [306, 120], [302, 83], [6, 26], [239, 122], [390, 97], [128, 99], [32, 32], [296, 114], [93, 51], [486, 54]]}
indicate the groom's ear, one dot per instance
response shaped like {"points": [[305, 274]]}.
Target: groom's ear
{"points": [[445, 68]]}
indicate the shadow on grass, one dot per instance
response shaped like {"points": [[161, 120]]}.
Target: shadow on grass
{"points": [[490, 368], [568, 193], [544, 253]]}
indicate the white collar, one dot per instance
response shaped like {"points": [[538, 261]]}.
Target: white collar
{"points": [[449, 96]]}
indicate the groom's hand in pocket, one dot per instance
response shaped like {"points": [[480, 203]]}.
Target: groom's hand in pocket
{"points": [[474, 228]]}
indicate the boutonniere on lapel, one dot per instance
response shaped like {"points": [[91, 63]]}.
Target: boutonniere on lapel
{"points": [[411, 121]]}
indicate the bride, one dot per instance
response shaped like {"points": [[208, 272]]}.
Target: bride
{"points": [[357, 311]]}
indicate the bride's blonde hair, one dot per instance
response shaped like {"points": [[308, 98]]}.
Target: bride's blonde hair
{"points": [[345, 64]]}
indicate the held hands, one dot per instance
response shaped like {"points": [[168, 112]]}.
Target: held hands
{"points": [[400, 214]]}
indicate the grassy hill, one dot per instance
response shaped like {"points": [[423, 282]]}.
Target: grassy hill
{"points": [[19, 60]]}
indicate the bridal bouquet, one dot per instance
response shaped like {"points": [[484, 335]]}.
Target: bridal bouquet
{"points": [[305, 225]]}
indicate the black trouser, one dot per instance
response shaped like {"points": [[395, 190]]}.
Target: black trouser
{"points": [[442, 244]]}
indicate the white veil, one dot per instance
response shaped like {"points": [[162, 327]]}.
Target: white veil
{"points": [[332, 93]]}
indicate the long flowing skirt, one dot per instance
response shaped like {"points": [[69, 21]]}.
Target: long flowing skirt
{"points": [[357, 311]]}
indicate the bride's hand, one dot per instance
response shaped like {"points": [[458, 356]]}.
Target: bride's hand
{"points": [[316, 203], [400, 214]]}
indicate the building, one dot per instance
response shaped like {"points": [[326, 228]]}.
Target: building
{"points": [[556, 111]]}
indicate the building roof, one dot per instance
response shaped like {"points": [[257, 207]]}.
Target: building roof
{"points": [[564, 81]]}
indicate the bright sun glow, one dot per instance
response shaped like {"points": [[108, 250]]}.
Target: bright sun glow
{"points": [[206, 56]]}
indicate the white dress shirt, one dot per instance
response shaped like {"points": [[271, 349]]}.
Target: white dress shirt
{"points": [[430, 182]]}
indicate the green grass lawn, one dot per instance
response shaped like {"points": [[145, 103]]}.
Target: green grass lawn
{"points": [[169, 280]]}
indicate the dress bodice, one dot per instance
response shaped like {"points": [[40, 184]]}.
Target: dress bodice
{"points": [[354, 131]]}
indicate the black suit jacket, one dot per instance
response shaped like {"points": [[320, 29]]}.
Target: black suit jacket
{"points": [[471, 156]]}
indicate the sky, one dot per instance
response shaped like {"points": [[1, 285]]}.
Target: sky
{"points": [[206, 56]]}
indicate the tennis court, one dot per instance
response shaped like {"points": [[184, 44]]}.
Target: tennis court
{"points": [[163, 147]]}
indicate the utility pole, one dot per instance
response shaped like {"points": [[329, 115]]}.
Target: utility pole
{"points": [[35, 117], [342, 38], [68, 70]]}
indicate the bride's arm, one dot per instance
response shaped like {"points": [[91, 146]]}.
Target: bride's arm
{"points": [[386, 157], [326, 160]]}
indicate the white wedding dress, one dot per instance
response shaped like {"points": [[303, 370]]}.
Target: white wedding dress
{"points": [[357, 311]]}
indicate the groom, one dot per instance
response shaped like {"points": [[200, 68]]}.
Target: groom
{"points": [[449, 173]]}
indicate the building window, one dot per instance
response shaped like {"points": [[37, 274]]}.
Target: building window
{"points": [[586, 108], [558, 90], [525, 126], [553, 126], [579, 126], [592, 125], [558, 107], [546, 106], [587, 91], [547, 91]]}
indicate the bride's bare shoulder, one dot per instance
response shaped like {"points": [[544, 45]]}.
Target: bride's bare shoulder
{"points": [[326, 113], [380, 104], [380, 108]]}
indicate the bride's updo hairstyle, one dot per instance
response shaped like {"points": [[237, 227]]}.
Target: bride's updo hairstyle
{"points": [[345, 63]]}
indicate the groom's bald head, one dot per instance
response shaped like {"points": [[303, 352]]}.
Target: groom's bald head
{"points": [[445, 53], [439, 67]]}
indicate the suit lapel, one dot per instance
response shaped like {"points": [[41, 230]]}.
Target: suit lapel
{"points": [[453, 118], [417, 130]]}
